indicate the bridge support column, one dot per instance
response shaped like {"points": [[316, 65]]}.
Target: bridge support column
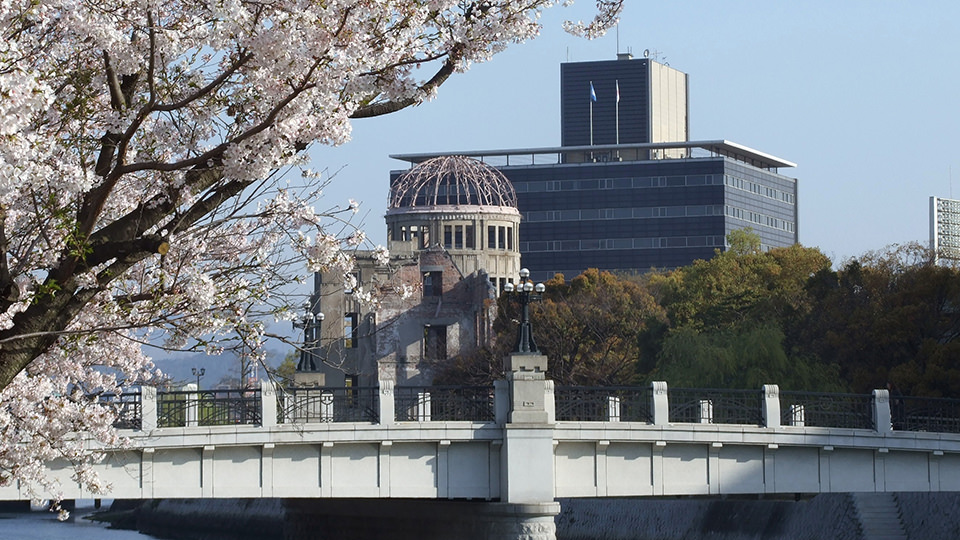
{"points": [[527, 454], [533, 521]]}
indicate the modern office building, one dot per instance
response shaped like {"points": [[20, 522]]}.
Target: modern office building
{"points": [[627, 191], [945, 230], [625, 211]]}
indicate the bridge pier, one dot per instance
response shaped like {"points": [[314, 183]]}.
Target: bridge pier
{"points": [[407, 519], [532, 521]]}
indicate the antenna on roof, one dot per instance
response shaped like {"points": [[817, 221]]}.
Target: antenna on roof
{"points": [[618, 38], [655, 54]]}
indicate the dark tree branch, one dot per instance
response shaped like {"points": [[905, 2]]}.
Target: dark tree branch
{"points": [[442, 74]]}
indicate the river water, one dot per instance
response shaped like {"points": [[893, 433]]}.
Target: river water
{"points": [[45, 526]]}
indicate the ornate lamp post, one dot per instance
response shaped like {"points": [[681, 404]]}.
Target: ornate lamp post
{"points": [[527, 291], [198, 373], [311, 323]]}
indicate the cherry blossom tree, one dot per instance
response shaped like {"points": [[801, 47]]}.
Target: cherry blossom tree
{"points": [[146, 191]]}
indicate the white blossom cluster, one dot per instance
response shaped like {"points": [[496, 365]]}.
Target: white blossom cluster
{"points": [[140, 199]]}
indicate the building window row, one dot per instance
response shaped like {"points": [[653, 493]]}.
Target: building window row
{"points": [[760, 219], [462, 236], [623, 243], [620, 183], [759, 189], [624, 213], [459, 236], [499, 237]]}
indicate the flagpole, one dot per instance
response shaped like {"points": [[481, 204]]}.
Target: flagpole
{"points": [[593, 97], [618, 118]]}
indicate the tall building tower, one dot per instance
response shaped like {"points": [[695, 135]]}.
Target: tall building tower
{"points": [[622, 101]]}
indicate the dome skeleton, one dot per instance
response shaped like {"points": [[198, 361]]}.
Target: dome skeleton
{"points": [[468, 182]]}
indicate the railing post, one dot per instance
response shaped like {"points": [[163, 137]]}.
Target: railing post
{"points": [[268, 404], [660, 408], [326, 406], [613, 409], [148, 408], [191, 405], [388, 406], [798, 416], [423, 407], [881, 411], [706, 411], [771, 406]]}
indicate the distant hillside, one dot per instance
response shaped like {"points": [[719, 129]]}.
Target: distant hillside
{"points": [[221, 369]]}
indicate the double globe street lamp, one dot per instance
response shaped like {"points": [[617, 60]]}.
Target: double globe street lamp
{"points": [[526, 291], [311, 323]]}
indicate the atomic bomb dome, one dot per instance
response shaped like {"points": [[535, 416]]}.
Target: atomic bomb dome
{"points": [[452, 181], [460, 205]]}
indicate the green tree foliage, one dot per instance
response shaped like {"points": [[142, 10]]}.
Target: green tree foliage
{"points": [[745, 318], [729, 317], [739, 358], [740, 285], [891, 316], [285, 371], [590, 327]]}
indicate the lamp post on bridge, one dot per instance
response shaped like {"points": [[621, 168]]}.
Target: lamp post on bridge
{"points": [[528, 426], [526, 291], [311, 323], [308, 369], [198, 373]]}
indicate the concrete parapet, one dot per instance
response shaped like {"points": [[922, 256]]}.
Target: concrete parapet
{"points": [[268, 404], [881, 411], [660, 407], [148, 408], [771, 406], [388, 413]]}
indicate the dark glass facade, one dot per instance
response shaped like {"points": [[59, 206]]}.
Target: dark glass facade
{"points": [[634, 216]]}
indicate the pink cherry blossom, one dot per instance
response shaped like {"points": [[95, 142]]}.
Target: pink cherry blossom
{"points": [[144, 198]]}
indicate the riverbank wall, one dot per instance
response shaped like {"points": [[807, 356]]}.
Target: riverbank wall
{"points": [[826, 516]]}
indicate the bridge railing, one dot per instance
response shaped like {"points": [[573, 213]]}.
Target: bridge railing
{"points": [[688, 405], [127, 407], [341, 404], [603, 403], [925, 414], [655, 404], [444, 403], [854, 411], [209, 407]]}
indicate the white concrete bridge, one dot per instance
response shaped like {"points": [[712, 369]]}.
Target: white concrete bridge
{"points": [[523, 442]]}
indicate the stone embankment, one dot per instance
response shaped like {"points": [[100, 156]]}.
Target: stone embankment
{"points": [[828, 516]]}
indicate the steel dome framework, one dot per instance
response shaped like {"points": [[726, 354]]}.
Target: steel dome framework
{"points": [[452, 181]]}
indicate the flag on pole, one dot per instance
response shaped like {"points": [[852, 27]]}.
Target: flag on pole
{"points": [[593, 93], [618, 115]]}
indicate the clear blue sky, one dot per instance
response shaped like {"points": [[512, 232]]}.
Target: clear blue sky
{"points": [[862, 95]]}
